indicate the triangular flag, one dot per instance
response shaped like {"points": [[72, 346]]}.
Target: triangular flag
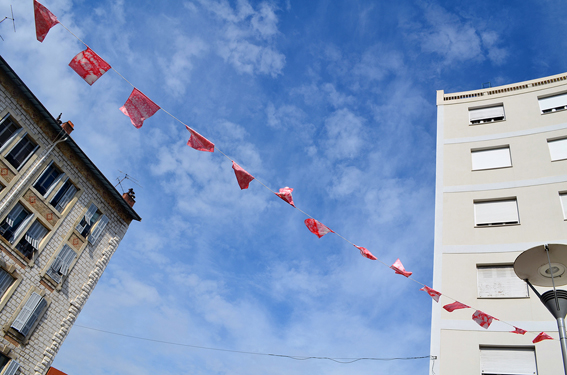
{"points": [[139, 108], [244, 178], [89, 65], [365, 253], [542, 336], [317, 228], [285, 194], [519, 331], [44, 20], [433, 293], [483, 319], [198, 142], [399, 268], [455, 306]]}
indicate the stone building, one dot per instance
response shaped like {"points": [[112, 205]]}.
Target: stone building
{"points": [[61, 221], [501, 189]]}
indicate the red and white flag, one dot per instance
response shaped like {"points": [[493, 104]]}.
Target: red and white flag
{"points": [[139, 108], [44, 20], [519, 331], [89, 65], [285, 194], [365, 253], [483, 319], [244, 178], [198, 142], [433, 293], [542, 336], [317, 228], [455, 306], [399, 268]]}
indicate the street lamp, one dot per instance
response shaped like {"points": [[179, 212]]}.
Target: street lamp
{"points": [[546, 265]]}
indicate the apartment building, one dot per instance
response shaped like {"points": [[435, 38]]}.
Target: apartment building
{"points": [[61, 221], [501, 188]]}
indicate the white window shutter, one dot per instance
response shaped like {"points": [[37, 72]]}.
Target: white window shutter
{"points": [[21, 227], [99, 228], [33, 317], [563, 198], [500, 282], [12, 367], [508, 361], [26, 312], [552, 102], [87, 219], [487, 114], [558, 149], [68, 258], [496, 212], [493, 158]]}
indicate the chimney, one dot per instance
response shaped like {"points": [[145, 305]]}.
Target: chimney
{"points": [[68, 127], [130, 197]]}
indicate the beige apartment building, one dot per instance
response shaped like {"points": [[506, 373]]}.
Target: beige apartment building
{"points": [[61, 221], [501, 188]]}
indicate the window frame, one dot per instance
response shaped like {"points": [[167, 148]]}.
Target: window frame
{"points": [[31, 141], [477, 151], [480, 202], [559, 152], [64, 195], [53, 184], [487, 119], [37, 312], [552, 109], [22, 226], [563, 202], [511, 292], [513, 359], [10, 118], [66, 263]]}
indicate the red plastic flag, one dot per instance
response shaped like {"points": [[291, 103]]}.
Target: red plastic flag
{"points": [[285, 194], [455, 306], [244, 178], [519, 331], [44, 20], [89, 65], [433, 293], [399, 268], [365, 253], [317, 228], [139, 108], [483, 319], [198, 142], [542, 336]]}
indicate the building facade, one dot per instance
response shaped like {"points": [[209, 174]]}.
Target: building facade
{"points": [[60, 222], [501, 188]]}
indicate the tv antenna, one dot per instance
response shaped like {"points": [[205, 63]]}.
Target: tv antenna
{"points": [[8, 18], [125, 177]]}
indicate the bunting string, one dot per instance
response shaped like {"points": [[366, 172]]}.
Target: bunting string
{"points": [[139, 107]]}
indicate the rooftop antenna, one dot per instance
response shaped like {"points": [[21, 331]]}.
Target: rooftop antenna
{"points": [[126, 177], [8, 18], [486, 85]]}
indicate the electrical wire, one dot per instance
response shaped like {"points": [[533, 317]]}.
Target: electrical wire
{"points": [[297, 358]]}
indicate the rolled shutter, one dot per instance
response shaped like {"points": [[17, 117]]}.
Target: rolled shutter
{"points": [[493, 158], [500, 282], [490, 113], [496, 212], [558, 149], [508, 361], [99, 228], [12, 367], [26, 312], [552, 102]]}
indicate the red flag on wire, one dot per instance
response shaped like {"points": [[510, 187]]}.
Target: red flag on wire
{"points": [[89, 65], [365, 253], [455, 306], [198, 142], [519, 331], [285, 194], [542, 336], [44, 20], [139, 108], [244, 178], [433, 293], [399, 268], [483, 319], [316, 227]]}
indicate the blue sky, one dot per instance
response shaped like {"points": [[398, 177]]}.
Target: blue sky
{"points": [[335, 99]]}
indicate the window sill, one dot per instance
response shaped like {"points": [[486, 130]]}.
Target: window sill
{"points": [[523, 297], [496, 225], [486, 122], [489, 169]]}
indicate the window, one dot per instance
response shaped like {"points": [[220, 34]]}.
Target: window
{"points": [[10, 366], [557, 149], [30, 242], [498, 212], [563, 198], [499, 361], [30, 313], [553, 103], [500, 282], [8, 129], [492, 158], [64, 196], [21, 152], [61, 264], [15, 222], [92, 216], [48, 179], [486, 114], [5, 281]]}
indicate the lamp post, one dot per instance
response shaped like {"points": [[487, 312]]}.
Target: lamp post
{"points": [[546, 265]]}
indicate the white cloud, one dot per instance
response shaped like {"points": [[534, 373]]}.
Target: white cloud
{"points": [[344, 135]]}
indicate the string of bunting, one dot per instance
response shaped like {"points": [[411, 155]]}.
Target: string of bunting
{"points": [[138, 107]]}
